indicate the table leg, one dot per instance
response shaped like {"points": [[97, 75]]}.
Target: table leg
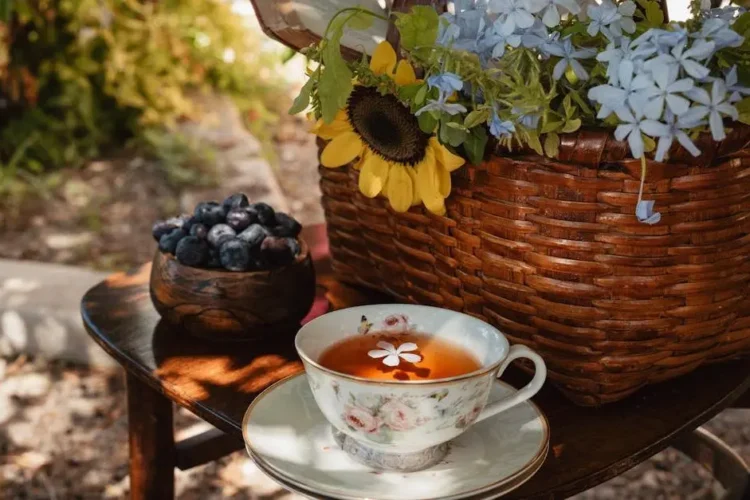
{"points": [[152, 450]]}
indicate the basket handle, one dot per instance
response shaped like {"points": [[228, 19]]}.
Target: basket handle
{"points": [[404, 6]]}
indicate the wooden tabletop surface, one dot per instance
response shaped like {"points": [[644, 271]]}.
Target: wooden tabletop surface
{"points": [[217, 381]]}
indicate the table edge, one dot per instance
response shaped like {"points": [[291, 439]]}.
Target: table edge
{"points": [[148, 378]]}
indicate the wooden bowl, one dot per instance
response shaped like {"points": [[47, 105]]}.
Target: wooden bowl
{"points": [[223, 305]]}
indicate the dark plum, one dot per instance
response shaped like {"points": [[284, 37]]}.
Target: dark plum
{"points": [[276, 251], [162, 227], [199, 230], [293, 245], [253, 235], [238, 219], [266, 214], [235, 255], [192, 251], [220, 233], [209, 213], [286, 226], [237, 200], [168, 242]]}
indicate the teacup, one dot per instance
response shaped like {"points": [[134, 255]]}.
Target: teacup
{"points": [[406, 425]]}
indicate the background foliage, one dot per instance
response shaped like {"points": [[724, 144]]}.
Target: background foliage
{"points": [[79, 76]]}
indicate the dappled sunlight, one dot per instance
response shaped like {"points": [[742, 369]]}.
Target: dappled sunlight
{"points": [[196, 377], [135, 277]]}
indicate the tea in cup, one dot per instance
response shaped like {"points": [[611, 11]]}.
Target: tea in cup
{"points": [[398, 382]]}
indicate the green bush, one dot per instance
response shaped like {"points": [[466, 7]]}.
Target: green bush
{"points": [[79, 76]]}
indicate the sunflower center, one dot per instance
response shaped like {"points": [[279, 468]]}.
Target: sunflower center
{"points": [[387, 126]]}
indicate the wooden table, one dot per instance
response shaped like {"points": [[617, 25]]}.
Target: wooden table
{"points": [[217, 382]]}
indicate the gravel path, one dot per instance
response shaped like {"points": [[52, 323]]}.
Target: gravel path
{"points": [[63, 435]]}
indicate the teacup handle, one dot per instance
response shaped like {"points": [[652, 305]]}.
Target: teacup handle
{"points": [[540, 375]]}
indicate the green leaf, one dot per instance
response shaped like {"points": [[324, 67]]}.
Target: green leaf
{"points": [[452, 135], [335, 82], [581, 103], [742, 24], [302, 101], [743, 108], [476, 117], [475, 145], [360, 21], [552, 145], [5, 10], [408, 93], [419, 28], [421, 95], [458, 126], [533, 142], [652, 13], [551, 126], [427, 123], [574, 29], [571, 126]]}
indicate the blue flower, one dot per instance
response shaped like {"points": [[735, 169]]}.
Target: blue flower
{"points": [[569, 58], [632, 125], [644, 211], [463, 30], [718, 31], [676, 132], [715, 106], [500, 128], [528, 120], [732, 86], [512, 15], [446, 82]]}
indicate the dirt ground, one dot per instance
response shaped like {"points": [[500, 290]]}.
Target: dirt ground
{"points": [[101, 215]]}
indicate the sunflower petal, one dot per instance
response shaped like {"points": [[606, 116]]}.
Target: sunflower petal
{"points": [[341, 150], [450, 161], [362, 159], [444, 181], [417, 200], [383, 59], [328, 131], [404, 73], [373, 175], [399, 189], [428, 185]]}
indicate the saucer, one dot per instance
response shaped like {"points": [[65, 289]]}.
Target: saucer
{"points": [[288, 437], [488, 495]]}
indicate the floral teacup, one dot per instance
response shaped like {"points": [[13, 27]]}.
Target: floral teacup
{"points": [[406, 425]]}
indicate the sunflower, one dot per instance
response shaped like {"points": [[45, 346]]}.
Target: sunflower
{"points": [[381, 135]]}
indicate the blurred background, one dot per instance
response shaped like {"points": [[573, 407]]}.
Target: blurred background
{"points": [[113, 114]]}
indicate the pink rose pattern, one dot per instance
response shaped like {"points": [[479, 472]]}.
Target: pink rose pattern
{"points": [[398, 416], [361, 419], [397, 323], [391, 413], [377, 416], [466, 420]]}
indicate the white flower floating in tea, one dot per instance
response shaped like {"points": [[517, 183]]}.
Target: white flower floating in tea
{"points": [[391, 355]]}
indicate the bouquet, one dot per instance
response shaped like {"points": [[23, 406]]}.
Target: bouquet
{"points": [[522, 72]]}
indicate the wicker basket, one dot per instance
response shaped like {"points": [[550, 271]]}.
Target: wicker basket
{"points": [[550, 252]]}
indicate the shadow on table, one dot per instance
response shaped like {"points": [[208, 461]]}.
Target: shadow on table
{"points": [[222, 375]]}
